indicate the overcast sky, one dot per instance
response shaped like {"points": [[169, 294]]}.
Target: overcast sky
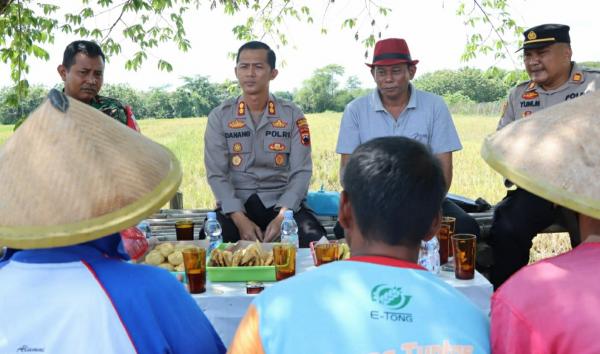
{"points": [[435, 35]]}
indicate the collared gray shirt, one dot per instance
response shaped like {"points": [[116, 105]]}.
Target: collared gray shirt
{"points": [[271, 159], [425, 119], [529, 97]]}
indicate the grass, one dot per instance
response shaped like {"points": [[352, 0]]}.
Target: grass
{"points": [[472, 177]]}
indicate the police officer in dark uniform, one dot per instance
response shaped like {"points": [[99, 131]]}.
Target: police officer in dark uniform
{"points": [[257, 156], [82, 71], [554, 78]]}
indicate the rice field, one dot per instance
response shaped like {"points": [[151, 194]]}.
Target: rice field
{"points": [[472, 177]]}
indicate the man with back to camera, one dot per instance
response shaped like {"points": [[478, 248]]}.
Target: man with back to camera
{"points": [[552, 305], [396, 108], [380, 300], [65, 191], [554, 79], [82, 72], [257, 156]]}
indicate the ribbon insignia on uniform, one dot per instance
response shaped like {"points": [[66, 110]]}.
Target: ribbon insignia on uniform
{"points": [[276, 147], [237, 147], [241, 111], [577, 77]]}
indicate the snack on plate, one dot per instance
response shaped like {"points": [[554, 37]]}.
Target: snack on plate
{"points": [[253, 255], [167, 255], [154, 257], [165, 248]]}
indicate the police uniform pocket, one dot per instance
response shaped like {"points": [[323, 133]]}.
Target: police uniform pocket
{"points": [[239, 149], [278, 150]]}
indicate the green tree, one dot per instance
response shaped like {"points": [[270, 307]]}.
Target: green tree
{"points": [[27, 26], [590, 64], [469, 82], [196, 97], [11, 114], [159, 104], [128, 96], [286, 95], [317, 93]]}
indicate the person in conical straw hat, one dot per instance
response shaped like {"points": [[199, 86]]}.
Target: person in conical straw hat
{"points": [[552, 306], [70, 179]]}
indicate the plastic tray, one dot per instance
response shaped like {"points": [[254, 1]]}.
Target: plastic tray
{"points": [[240, 274]]}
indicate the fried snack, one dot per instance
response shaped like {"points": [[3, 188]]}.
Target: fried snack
{"points": [[154, 257], [227, 258], [237, 258], [165, 248], [180, 268], [175, 258], [269, 260], [216, 258], [251, 253], [167, 266]]}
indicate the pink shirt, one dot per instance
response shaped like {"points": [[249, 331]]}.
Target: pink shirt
{"points": [[552, 306]]}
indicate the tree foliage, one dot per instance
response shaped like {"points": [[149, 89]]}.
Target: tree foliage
{"points": [[27, 27], [476, 85]]}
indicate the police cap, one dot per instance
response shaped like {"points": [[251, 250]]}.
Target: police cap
{"points": [[544, 35]]}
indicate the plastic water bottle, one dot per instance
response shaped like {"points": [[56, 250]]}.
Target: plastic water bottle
{"points": [[429, 255], [289, 229], [213, 231], [144, 227]]}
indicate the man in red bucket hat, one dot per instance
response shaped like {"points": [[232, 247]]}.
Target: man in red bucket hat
{"points": [[397, 108]]}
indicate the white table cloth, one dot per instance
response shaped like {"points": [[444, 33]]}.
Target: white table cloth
{"points": [[225, 303]]}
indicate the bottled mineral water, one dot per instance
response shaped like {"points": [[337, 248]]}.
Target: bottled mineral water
{"points": [[144, 227], [213, 231], [429, 255], [289, 229]]}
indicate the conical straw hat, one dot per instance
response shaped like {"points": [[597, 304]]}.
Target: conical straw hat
{"points": [[554, 153], [78, 175]]}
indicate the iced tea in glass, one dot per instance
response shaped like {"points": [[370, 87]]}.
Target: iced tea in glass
{"points": [[184, 229], [464, 255], [326, 252], [284, 258], [194, 262], [450, 223]]}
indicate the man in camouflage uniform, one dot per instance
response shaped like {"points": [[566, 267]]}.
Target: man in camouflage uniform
{"points": [[82, 71], [554, 79], [257, 156]]}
